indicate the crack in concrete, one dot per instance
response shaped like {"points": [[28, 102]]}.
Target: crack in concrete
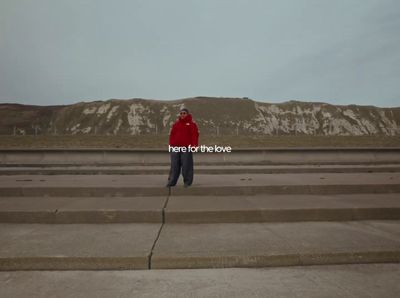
{"points": [[161, 227]]}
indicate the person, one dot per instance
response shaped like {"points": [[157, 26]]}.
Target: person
{"points": [[184, 132]]}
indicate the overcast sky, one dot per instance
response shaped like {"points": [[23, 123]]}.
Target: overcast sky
{"points": [[66, 51]]}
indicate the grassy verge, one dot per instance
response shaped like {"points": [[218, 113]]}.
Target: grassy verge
{"points": [[161, 141]]}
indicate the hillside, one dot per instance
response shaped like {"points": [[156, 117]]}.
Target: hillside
{"points": [[214, 116]]}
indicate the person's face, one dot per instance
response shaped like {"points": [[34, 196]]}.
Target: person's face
{"points": [[182, 114]]}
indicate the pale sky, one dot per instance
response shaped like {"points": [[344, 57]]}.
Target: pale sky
{"points": [[65, 51]]}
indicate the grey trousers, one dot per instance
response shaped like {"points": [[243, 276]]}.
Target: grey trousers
{"points": [[180, 160]]}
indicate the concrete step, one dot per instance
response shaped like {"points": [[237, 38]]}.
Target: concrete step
{"points": [[224, 184], [200, 169], [281, 208], [71, 210], [145, 246], [76, 246], [354, 280], [200, 209], [276, 155], [276, 244]]}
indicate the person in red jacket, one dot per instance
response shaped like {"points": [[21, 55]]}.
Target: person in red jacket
{"points": [[184, 133]]}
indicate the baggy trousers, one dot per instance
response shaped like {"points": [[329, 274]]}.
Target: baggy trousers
{"points": [[180, 160]]}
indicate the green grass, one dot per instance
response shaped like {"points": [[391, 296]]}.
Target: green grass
{"points": [[161, 141]]}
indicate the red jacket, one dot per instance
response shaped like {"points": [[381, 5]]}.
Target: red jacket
{"points": [[184, 132]]}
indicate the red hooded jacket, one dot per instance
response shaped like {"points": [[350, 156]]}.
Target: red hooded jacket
{"points": [[184, 132]]}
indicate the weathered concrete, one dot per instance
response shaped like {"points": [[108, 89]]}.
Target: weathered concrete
{"points": [[366, 280], [276, 244], [199, 169], [129, 246], [81, 209], [234, 184], [316, 238], [237, 156], [87, 185], [283, 208], [76, 247], [200, 209]]}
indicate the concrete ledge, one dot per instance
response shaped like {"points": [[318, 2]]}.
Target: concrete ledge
{"points": [[239, 216], [200, 209], [232, 184], [74, 217], [130, 246], [69, 210], [73, 263], [259, 261], [237, 156], [356, 280], [199, 169], [198, 191], [286, 189], [276, 244], [76, 247], [83, 191], [282, 208]]}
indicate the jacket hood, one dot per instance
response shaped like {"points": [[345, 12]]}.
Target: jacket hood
{"points": [[188, 118]]}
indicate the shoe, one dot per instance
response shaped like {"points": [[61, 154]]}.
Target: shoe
{"points": [[169, 185], [186, 185]]}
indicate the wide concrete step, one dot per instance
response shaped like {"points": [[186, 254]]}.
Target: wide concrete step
{"points": [[200, 169], [354, 280], [76, 247], [223, 184], [145, 246], [71, 210], [282, 208], [275, 155], [200, 209], [276, 244]]}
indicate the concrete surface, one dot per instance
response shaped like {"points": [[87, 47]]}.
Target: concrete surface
{"points": [[233, 184], [161, 156], [81, 209], [284, 208], [76, 246], [276, 244], [201, 180], [305, 214], [366, 280], [199, 169], [142, 246], [200, 209]]}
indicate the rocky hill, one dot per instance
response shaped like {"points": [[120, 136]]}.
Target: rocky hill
{"points": [[219, 116]]}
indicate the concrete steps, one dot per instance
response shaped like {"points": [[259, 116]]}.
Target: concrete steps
{"points": [[232, 216], [200, 209], [204, 185], [143, 246]]}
